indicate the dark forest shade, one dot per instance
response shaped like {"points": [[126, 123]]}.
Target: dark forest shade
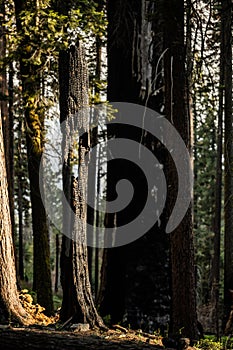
{"points": [[183, 314], [135, 277]]}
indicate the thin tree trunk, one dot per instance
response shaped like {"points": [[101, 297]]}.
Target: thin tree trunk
{"points": [[228, 152], [41, 250], [11, 149], [57, 264], [218, 196], [20, 205], [93, 217], [97, 222]]}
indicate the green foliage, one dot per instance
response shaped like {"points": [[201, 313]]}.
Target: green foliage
{"points": [[28, 257], [227, 342], [208, 344], [205, 78], [44, 31], [57, 301], [107, 320]]}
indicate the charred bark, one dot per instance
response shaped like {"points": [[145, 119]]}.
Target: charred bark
{"points": [[183, 315], [77, 297]]}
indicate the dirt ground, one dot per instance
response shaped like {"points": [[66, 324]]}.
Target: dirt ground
{"points": [[48, 338]]}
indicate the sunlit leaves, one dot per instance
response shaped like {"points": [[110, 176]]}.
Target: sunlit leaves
{"points": [[44, 31]]}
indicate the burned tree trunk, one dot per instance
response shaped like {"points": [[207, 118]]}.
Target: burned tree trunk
{"points": [[77, 298], [183, 315]]}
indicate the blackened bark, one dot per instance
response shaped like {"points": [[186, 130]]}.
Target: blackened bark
{"points": [[122, 86], [77, 297], [135, 52], [183, 318]]}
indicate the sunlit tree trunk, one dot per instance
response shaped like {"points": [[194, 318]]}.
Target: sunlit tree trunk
{"points": [[6, 92], [10, 306], [34, 117]]}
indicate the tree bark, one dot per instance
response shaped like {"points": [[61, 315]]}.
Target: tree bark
{"points": [[20, 205], [11, 309], [135, 47], [77, 298], [34, 117], [183, 316], [6, 93], [122, 86]]}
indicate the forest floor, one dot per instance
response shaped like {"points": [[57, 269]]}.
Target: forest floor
{"points": [[48, 338], [50, 333]]}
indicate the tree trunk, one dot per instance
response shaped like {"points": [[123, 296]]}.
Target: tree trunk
{"points": [[218, 196], [57, 264], [77, 298], [22, 339], [6, 99], [34, 117], [11, 187], [135, 46], [228, 152], [122, 86], [92, 216], [20, 204], [184, 317], [11, 309]]}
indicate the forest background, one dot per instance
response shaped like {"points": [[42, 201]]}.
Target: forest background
{"points": [[173, 57]]}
